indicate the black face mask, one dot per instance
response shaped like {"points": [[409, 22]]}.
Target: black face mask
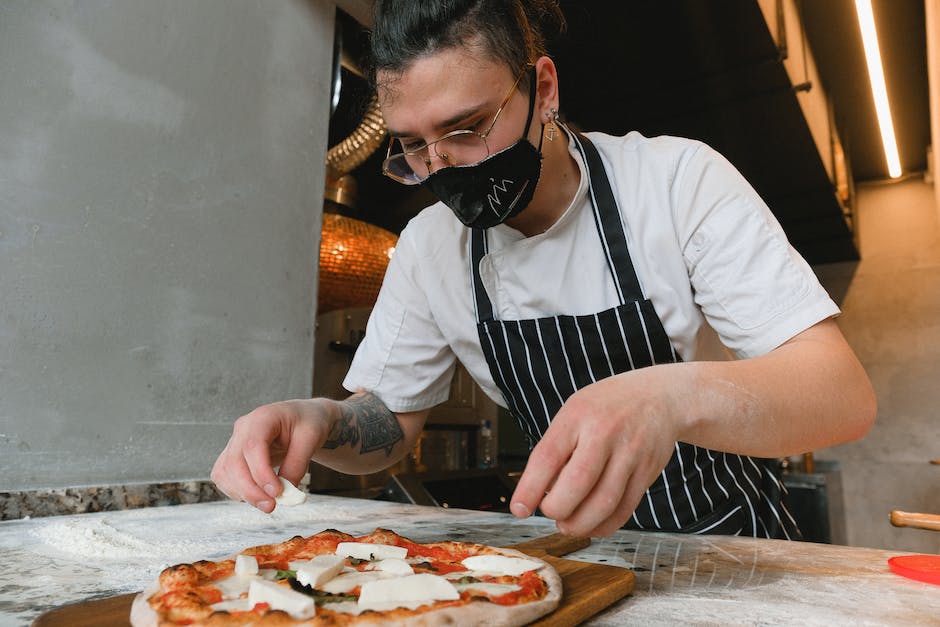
{"points": [[496, 189]]}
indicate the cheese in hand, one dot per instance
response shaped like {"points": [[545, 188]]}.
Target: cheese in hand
{"points": [[289, 495], [406, 591]]}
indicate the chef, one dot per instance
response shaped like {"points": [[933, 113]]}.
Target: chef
{"points": [[596, 286]]}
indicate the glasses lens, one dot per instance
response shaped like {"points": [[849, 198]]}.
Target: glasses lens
{"points": [[461, 148], [457, 148], [400, 168]]}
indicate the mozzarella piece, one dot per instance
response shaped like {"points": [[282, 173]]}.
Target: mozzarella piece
{"points": [[319, 570], [246, 565], [345, 607], [500, 564], [406, 590], [289, 495], [233, 587], [368, 551], [490, 589], [395, 566], [347, 581], [232, 605], [280, 597]]}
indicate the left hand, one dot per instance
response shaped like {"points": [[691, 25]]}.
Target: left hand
{"points": [[606, 445]]}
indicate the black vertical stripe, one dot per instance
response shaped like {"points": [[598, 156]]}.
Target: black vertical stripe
{"points": [[593, 347], [556, 358], [636, 340], [614, 341], [529, 360], [518, 364], [572, 346], [541, 368], [659, 341], [495, 342]]}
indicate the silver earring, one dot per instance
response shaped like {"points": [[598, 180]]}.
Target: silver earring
{"points": [[552, 129]]}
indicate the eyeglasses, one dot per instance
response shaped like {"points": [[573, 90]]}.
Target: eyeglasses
{"points": [[462, 147]]}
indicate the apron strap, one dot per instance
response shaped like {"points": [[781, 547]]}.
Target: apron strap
{"points": [[481, 300], [609, 223]]}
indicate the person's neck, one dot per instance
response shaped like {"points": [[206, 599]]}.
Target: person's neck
{"points": [[557, 186]]}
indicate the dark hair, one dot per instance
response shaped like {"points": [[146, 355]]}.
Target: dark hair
{"points": [[512, 31]]}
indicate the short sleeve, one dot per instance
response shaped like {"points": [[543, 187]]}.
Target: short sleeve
{"points": [[404, 358], [753, 287]]}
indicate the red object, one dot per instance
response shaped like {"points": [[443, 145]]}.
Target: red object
{"points": [[919, 567]]}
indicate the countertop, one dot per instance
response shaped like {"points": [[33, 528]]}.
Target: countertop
{"points": [[680, 579]]}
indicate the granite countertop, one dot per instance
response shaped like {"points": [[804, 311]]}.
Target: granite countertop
{"points": [[48, 562]]}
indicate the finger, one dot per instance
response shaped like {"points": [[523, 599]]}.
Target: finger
{"points": [[583, 523], [221, 478], [578, 479], [299, 451], [628, 504], [545, 462], [232, 475], [602, 500], [264, 484]]}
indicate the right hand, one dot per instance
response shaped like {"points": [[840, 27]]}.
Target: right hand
{"points": [[284, 434]]}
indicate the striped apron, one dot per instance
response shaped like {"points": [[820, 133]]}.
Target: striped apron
{"points": [[538, 363]]}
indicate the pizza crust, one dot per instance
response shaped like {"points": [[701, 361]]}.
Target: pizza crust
{"points": [[474, 613], [142, 615]]}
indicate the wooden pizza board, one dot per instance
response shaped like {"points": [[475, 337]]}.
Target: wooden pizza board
{"points": [[588, 589]]}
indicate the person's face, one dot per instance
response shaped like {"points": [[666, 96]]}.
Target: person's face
{"points": [[453, 89]]}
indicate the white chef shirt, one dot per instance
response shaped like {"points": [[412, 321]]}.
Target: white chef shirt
{"points": [[708, 253]]}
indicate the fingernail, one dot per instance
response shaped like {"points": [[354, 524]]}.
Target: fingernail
{"points": [[263, 505], [519, 510], [270, 489]]}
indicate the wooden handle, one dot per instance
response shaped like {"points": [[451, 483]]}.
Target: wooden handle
{"points": [[936, 462], [556, 544], [912, 519]]}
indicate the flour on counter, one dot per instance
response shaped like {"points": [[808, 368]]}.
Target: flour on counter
{"points": [[171, 537], [96, 538]]}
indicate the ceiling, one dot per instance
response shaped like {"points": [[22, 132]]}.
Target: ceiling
{"points": [[710, 70], [832, 33]]}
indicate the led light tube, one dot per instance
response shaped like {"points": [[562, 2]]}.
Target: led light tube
{"points": [[866, 23]]}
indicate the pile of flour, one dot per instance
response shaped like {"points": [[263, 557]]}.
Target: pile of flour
{"points": [[162, 538]]}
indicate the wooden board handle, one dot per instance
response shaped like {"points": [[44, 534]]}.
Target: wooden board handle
{"points": [[556, 544], [913, 519]]}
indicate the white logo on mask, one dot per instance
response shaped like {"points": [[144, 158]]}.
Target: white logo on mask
{"points": [[494, 197]]}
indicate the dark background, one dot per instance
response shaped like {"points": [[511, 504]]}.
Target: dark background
{"points": [[710, 70]]}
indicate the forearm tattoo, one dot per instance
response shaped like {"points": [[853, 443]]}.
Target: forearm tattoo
{"points": [[365, 418]]}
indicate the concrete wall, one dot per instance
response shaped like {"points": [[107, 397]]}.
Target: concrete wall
{"points": [[161, 182], [891, 317]]}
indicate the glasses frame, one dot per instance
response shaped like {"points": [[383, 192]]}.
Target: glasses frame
{"points": [[431, 147]]}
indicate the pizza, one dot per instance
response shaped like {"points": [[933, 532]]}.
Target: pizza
{"points": [[334, 578]]}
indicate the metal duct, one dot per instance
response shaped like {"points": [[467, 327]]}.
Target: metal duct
{"points": [[348, 154]]}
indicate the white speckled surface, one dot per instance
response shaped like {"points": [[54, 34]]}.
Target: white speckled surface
{"points": [[707, 580]]}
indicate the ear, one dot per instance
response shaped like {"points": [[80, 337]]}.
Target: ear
{"points": [[546, 77]]}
